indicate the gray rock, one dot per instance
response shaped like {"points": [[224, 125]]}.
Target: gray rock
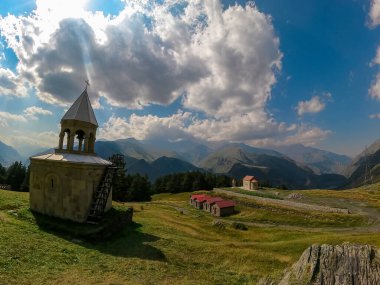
{"points": [[295, 196], [346, 264]]}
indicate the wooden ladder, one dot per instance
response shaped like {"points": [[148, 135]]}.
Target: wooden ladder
{"points": [[100, 196], [102, 193]]}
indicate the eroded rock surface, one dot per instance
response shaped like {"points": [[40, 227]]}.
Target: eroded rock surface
{"points": [[346, 264]]}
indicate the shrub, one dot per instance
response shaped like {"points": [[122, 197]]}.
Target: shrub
{"points": [[218, 224], [239, 226]]}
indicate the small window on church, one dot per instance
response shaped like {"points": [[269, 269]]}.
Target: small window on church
{"points": [[52, 184]]}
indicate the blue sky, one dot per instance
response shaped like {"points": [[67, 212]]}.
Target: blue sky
{"points": [[263, 73]]}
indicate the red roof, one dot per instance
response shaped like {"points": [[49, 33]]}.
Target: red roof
{"points": [[249, 178], [214, 199], [196, 196], [203, 199], [225, 204]]}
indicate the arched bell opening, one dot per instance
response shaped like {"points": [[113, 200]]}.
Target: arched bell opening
{"points": [[64, 137], [79, 139]]}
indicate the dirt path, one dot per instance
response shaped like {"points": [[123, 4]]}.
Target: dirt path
{"points": [[286, 203]]}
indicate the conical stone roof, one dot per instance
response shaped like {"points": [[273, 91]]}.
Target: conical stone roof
{"points": [[81, 110]]}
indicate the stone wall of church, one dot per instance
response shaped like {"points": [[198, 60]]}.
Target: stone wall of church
{"points": [[63, 189]]}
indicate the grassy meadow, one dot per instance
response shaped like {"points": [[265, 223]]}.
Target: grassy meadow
{"points": [[172, 243]]}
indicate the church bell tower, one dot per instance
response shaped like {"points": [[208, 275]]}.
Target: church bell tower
{"points": [[69, 183]]}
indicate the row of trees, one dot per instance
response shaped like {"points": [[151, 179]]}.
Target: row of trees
{"points": [[129, 187], [190, 181], [138, 188], [16, 175]]}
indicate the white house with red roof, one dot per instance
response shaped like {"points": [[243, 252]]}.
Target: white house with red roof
{"points": [[250, 183]]}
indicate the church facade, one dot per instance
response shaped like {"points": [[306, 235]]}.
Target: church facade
{"points": [[63, 184]]}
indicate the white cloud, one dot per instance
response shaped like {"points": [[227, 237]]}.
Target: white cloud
{"points": [[33, 111], [184, 125], [149, 54], [374, 116], [30, 142], [374, 13], [376, 60], [374, 90], [6, 118], [314, 105], [12, 84], [204, 51], [146, 127], [307, 135], [241, 62]]}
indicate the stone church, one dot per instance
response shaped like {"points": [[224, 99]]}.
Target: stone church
{"points": [[72, 182]]}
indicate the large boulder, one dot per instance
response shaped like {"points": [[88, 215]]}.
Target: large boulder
{"points": [[346, 264]]}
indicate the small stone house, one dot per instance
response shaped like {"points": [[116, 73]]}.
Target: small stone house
{"points": [[199, 202], [250, 183], [210, 202], [223, 208], [193, 199]]}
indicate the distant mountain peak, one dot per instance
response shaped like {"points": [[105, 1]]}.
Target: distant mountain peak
{"points": [[321, 161], [8, 154]]}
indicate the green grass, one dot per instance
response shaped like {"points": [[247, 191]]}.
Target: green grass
{"points": [[271, 214], [163, 246], [256, 193]]}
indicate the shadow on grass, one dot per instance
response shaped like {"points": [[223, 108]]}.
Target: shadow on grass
{"points": [[130, 242], [113, 235]]}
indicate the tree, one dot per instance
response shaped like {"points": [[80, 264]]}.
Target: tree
{"points": [[132, 188], [25, 183], [16, 174], [3, 174]]}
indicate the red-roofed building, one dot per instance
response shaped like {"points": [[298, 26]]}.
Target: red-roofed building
{"points": [[200, 201], [193, 199], [250, 183], [223, 208], [209, 202]]}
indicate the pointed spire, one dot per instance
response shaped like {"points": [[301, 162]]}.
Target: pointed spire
{"points": [[81, 110]]}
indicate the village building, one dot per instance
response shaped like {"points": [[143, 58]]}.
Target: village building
{"points": [[209, 202], [199, 201], [193, 199], [233, 182], [250, 183], [72, 182], [223, 208]]}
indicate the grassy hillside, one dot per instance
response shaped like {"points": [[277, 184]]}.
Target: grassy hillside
{"points": [[171, 243]]}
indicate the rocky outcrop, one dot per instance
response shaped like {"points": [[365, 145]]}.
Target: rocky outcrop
{"points": [[295, 196], [345, 264]]}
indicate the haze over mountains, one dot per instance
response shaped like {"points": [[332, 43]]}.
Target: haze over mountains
{"points": [[157, 158], [294, 166], [320, 161], [368, 159], [8, 155]]}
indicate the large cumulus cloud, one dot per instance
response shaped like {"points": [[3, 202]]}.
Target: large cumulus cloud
{"points": [[222, 62]]}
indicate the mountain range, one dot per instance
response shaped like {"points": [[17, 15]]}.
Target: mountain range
{"points": [[295, 166], [320, 161], [238, 160], [158, 158]]}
